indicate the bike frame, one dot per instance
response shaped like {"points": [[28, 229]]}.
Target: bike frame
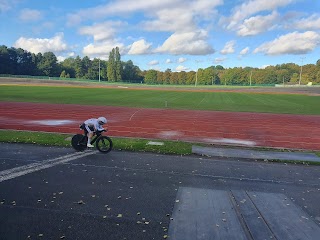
{"points": [[93, 139]]}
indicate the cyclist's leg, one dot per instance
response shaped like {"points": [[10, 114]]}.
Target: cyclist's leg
{"points": [[89, 131]]}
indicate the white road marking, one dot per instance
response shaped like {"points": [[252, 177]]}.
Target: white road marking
{"points": [[33, 167]]}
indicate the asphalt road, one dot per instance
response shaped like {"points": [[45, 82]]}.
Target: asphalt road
{"points": [[55, 193]]}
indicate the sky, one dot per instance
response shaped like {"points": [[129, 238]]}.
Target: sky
{"points": [[181, 35]]}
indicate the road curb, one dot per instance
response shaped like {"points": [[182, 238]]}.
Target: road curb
{"points": [[254, 154]]}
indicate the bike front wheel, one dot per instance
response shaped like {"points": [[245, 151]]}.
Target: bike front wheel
{"points": [[104, 144]]}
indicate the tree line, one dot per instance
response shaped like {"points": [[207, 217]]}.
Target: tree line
{"points": [[16, 61]]}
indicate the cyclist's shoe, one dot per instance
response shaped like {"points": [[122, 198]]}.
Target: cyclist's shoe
{"points": [[90, 145]]}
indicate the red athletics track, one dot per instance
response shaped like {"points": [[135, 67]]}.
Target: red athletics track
{"points": [[235, 128]]}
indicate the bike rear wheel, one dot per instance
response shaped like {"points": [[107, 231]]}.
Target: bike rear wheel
{"points": [[104, 144], [79, 142]]}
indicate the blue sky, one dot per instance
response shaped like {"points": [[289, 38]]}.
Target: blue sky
{"points": [[161, 34]]}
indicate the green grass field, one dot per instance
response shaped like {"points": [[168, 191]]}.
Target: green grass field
{"points": [[218, 101]]}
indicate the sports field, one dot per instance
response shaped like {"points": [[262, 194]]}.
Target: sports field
{"points": [[171, 99], [215, 117]]}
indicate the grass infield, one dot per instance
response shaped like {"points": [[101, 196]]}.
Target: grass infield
{"points": [[215, 101]]}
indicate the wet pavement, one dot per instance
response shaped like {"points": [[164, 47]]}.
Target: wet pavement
{"points": [[130, 195], [256, 154]]}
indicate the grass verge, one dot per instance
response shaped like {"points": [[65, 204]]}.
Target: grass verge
{"points": [[64, 140], [127, 144]]}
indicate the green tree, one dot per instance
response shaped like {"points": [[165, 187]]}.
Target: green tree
{"points": [[174, 78], [118, 65], [182, 77], [159, 77], [131, 73], [5, 67], [166, 76], [86, 67], [151, 77], [48, 64], [294, 78], [68, 65], [24, 63], [111, 69], [318, 77], [79, 69], [191, 76], [64, 74]]}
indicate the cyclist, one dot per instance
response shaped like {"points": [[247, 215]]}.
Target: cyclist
{"points": [[92, 125]]}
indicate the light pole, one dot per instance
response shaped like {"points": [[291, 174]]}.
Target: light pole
{"points": [[301, 69], [195, 84], [99, 69]]}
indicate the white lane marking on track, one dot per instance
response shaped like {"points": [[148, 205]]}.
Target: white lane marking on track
{"points": [[51, 122], [33, 167], [135, 113], [230, 141]]}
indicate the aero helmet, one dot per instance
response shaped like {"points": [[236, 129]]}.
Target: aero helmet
{"points": [[102, 120]]}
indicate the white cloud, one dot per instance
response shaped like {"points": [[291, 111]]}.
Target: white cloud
{"points": [[102, 49], [104, 39], [168, 61], [140, 47], [193, 43], [264, 66], [258, 24], [179, 17], [6, 5], [102, 31], [181, 60], [219, 60], [181, 68], [292, 43], [119, 7], [157, 68], [228, 47], [310, 23], [36, 45], [205, 8], [61, 58], [71, 54], [150, 8], [30, 15], [172, 20], [153, 62], [251, 7], [244, 51]]}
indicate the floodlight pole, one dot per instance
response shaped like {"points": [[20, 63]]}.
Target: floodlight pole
{"points": [[99, 69], [301, 69], [195, 84]]}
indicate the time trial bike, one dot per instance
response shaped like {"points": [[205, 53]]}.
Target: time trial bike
{"points": [[103, 143]]}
